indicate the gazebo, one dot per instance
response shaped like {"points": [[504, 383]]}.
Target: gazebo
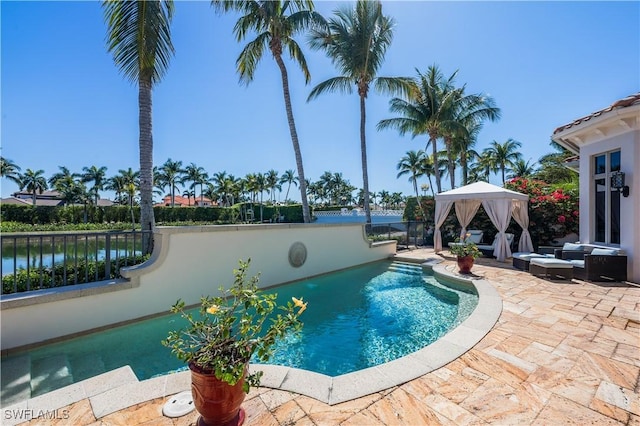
{"points": [[500, 204]]}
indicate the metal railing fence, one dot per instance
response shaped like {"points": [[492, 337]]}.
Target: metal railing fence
{"points": [[45, 260], [407, 234]]}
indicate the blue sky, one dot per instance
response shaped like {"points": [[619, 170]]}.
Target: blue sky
{"points": [[64, 103]]}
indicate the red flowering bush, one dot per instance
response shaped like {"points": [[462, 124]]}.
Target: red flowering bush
{"points": [[553, 209]]}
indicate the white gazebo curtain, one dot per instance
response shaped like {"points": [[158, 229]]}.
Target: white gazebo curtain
{"points": [[500, 205], [442, 211], [499, 211], [521, 216], [465, 211]]}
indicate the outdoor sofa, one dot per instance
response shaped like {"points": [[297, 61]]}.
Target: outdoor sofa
{"points": [[600, 264]]}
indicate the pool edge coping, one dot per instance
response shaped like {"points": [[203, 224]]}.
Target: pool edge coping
{"points": [[119, 391]]}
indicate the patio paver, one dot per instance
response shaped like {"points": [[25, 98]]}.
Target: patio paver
{"points": [[562, 352]]}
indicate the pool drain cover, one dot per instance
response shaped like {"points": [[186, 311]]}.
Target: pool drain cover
{"points": [[179, 405]]}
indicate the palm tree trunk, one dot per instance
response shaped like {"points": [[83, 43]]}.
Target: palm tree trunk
{"points": [[147, 220], [363, 152], [294, 138], [286, 197], [465, 167], [436, 169], [415, 188], [451, 163]]}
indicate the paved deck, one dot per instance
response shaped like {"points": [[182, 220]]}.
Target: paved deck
{"points": [[561, 353]]}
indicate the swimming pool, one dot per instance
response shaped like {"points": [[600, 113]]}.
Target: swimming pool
{"points": [[379, 307]]}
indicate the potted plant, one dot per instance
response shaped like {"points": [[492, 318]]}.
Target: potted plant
{"points": [[466, 251], [218, 343]]}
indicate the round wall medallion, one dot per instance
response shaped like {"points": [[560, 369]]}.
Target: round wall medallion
{"points": [[297, 254]]}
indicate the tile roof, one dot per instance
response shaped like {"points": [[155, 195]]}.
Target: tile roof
{"points": [[622, 103]]}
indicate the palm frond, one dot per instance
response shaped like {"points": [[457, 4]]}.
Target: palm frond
{"points": [[250, 56], [340, 84], [296, 54]]}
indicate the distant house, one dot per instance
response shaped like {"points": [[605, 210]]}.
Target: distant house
{"points": [[181, 201], [47, 198], [608, 145]]}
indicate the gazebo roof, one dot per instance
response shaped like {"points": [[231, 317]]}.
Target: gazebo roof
{"points": [[480, 191]]}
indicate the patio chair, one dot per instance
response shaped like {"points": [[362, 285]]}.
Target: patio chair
{"points": [[521, 260], [571, 251], [475, 236], [599, 265], [487, 249], [550, 267]]}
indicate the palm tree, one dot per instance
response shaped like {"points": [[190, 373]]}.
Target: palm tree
{"points": [[425, 111], [171, 174], [466, 111], [356, 41], [552, 166], [117, 185], [158, 184], [276, 23], [522, 169], [289, 177], [384, 199], [66, 183], [63, 175], [261, 186], [189, 193], [413, 165], [9, 170], [197, 176], [97, 176], [429, 169], [139, 36], [483, 166], [218, 181], [463, 144], [271, 182], [504, 154], [34, 182]]}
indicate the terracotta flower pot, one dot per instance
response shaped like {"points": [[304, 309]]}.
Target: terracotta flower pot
{"points": [[217, 402], [465, 263]]}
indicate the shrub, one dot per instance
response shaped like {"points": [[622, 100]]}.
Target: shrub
{"points": [[553, 209]]}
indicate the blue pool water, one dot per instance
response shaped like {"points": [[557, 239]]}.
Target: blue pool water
{"points": [[356, 318]]}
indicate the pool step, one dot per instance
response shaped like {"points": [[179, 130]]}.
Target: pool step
{"points": [[16, 379], [50, 373], [87, 365], [405, 268]]}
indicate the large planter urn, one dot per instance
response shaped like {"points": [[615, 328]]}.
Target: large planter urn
{"points": [[217, 401], [465, 263]]}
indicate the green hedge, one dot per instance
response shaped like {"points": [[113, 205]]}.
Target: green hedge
{"points": [[55, 278], [45, 215]]}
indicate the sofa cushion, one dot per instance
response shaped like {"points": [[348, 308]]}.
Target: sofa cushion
{"points": [[572, 246], [526, 256], [548, 262], [604, 252], [475, 236], [577, 263]]}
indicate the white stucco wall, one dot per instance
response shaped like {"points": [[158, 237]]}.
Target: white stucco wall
{"points": [[187, 263], [629, 145]]}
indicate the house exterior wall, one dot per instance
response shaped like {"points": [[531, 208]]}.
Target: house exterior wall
{"points": [[187, 263], [629, 146]]}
